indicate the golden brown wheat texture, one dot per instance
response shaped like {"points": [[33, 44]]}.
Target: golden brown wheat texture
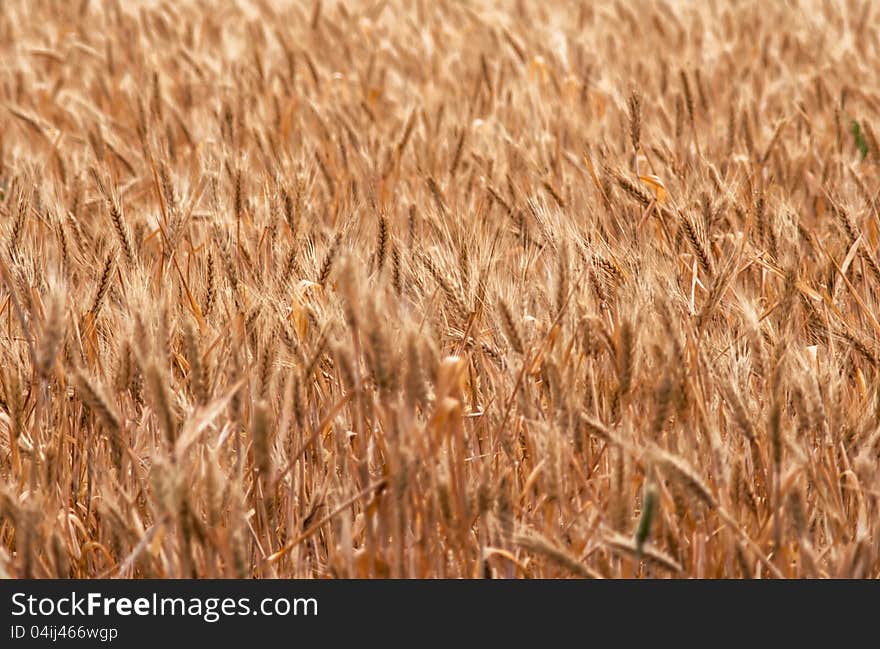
{"points": [[418, 288]]}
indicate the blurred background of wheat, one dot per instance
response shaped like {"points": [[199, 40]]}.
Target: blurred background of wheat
{"points": [[439, 289]]}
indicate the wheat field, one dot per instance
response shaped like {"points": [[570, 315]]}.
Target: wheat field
{"points": [[439, 289]]}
